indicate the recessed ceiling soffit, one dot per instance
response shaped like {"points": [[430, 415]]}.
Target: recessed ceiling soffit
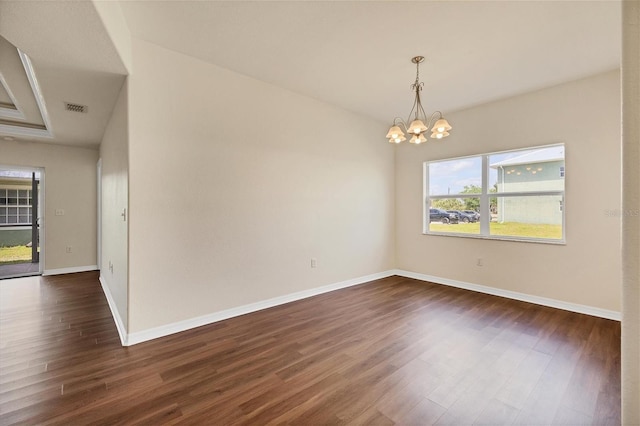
{"points": [[23, 111]]}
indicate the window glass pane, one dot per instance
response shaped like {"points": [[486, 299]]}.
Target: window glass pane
{"points": [[459, 176], [22, 193], [12, 193], [24, 210], [12, 201], [23, 201], [13, 219], [12, 211], [455, 215], [3, 200], [3, 219], [536, 216], [540, 169], [23, 219]]}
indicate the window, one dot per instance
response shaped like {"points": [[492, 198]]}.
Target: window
{"points": [[15, 207], [515, 195]]}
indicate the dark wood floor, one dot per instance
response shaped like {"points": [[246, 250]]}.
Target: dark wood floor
{"points": [[393, 351]]}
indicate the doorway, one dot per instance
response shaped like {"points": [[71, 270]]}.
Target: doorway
{"points": [[21, 221]]}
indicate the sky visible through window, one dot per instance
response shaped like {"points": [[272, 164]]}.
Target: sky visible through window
{"points": [[17, 174], [451, 176]]}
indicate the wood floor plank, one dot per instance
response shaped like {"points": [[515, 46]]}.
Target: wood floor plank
{"points": [[392, 351]]}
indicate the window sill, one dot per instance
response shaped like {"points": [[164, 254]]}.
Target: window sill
{"points": [[562, 242]]}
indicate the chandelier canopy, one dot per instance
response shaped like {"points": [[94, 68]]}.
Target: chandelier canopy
{"points": [[417, 128]]}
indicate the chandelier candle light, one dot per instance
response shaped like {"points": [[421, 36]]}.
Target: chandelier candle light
{"points": [[417, 128]]}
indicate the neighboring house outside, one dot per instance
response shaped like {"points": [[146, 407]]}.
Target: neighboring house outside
{"points": [[540, 170], [15, 210]]}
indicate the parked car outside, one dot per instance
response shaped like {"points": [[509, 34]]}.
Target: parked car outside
{"points": [[463, 217], [472, 212], [438, 215]]}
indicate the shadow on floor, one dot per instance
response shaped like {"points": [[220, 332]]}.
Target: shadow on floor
{"points": [[16, 270]]}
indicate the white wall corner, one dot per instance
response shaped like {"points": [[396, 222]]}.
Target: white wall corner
{"points": [[115, 24], [122, 330], [552, 303]]}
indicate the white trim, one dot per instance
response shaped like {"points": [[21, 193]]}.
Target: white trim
{"points": [[176, 327], [35, 87], [99, 208], [122, 330], [47, 132], [553, 303], [24, 131], [72, 270], [9, 112], [42, 208]]}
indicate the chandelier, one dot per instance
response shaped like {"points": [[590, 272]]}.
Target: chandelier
{"points": [[417, 128]]}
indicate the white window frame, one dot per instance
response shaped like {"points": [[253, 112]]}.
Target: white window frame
{"points": [[4, 208], [485, 195]]}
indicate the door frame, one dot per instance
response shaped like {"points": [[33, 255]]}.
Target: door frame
{"points": [[99, 223], [41, 207]]}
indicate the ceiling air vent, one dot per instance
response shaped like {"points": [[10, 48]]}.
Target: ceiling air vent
{"points": [[75, 107]]}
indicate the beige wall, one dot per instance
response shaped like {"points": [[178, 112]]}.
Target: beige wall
{"points": [[583, 114], [115, 198], [631, 219], [70, 185], [236, 184]]}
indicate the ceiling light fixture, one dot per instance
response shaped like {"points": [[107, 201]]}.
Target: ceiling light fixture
{"points": [[417, 128]]}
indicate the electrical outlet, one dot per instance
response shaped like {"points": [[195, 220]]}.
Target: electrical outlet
{"points": [[69, 249], [59, 212], [480, 262], [314, 262]]}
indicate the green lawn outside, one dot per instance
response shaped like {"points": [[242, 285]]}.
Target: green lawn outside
{"points": [[17, 254], [511, 229]]}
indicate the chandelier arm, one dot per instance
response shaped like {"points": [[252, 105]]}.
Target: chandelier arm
{"points": [[424, 114], [401, 122], [432, 116], [416, 105]]}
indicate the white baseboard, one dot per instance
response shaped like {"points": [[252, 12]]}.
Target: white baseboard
{"points": [[176, 327], [553, 303], [122, 330], [71, 270]]}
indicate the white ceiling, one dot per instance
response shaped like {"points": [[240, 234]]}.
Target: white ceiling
{"points": [[355, 55]]}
